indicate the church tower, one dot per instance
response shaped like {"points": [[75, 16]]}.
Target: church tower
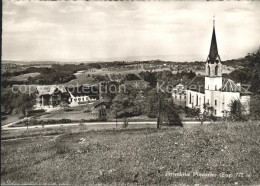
{"points": [[213, 79], [213, 65]]}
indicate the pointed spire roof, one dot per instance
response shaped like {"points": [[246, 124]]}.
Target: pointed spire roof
{"points": [[213, 53]]}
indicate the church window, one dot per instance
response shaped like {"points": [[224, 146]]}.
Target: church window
{"points": [[190, 97], [216, 102], [209, 70], [216, 87], [215, 112], [197, 99], [216, 70]]}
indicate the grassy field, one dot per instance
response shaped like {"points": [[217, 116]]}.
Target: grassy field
{"points": [[223, 153], [24, 77], [76, 114], [10, 119]]}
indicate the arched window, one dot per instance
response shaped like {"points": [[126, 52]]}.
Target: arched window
{"points": [[190, 97], [216, 70], [209, 70], [197, 99]]}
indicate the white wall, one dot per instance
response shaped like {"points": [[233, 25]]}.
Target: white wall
{"points": [[210, 83], [79, 100], [193, 102]]}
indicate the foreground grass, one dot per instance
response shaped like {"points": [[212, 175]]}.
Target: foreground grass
{"points": [[143, 156]]}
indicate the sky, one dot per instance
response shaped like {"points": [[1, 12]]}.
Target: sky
{"points": [[85, 31]]}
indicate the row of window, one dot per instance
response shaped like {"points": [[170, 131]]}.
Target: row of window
{"points": [[197, 100], [216, 70], [180, 96], [77, 99]]}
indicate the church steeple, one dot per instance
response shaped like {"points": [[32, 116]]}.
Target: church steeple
{"points": [[213, 65], [213, 52]]}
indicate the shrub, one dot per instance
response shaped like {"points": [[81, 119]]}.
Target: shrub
{"points": [[237, 111], [213, 118]]}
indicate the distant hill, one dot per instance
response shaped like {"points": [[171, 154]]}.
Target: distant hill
{"points": [[243, 61], [250, 71]]}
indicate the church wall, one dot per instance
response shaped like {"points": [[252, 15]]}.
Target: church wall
{"points": [[227, 97], [193, 102], [213, 99]]}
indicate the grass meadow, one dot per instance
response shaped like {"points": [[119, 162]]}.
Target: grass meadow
{"points": [[220, 153]]}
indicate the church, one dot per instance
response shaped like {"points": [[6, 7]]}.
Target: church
{"points": [[213, 90]]}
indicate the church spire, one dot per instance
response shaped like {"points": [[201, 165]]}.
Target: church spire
{"points": [[213, 53]]}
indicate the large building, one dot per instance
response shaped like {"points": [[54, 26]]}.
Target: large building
{"points": [[50, 96], [213, 90]]}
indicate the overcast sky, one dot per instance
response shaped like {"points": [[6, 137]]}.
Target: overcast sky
{"points": [[178, 31]]}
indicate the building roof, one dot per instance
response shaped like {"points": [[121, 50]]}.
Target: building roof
{"points": [[91, 91], [49, 89], [197, 84], [229, 85]]}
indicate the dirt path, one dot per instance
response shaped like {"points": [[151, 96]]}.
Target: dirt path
{"points": [[9, 126]]}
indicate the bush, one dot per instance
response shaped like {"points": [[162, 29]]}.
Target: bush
{"points": [[3, 117], [213, 118], [87, 110], [237, 111], [34, 112]]}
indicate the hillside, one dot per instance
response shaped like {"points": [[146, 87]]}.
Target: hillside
{"points": [[225, 153], [249, 71]]}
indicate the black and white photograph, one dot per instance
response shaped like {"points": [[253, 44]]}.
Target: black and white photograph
{"points": [[130, 92]]}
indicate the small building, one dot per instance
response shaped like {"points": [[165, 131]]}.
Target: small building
{"points": [[82, 95], [179, 94], [49, 96]]}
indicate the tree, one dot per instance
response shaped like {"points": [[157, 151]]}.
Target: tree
{"points": [[170, 114], [255, 107], [191, 75], [17, 102], [102, 114], [237, 111], [126, 104], [160, 105], [150, 77]]}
